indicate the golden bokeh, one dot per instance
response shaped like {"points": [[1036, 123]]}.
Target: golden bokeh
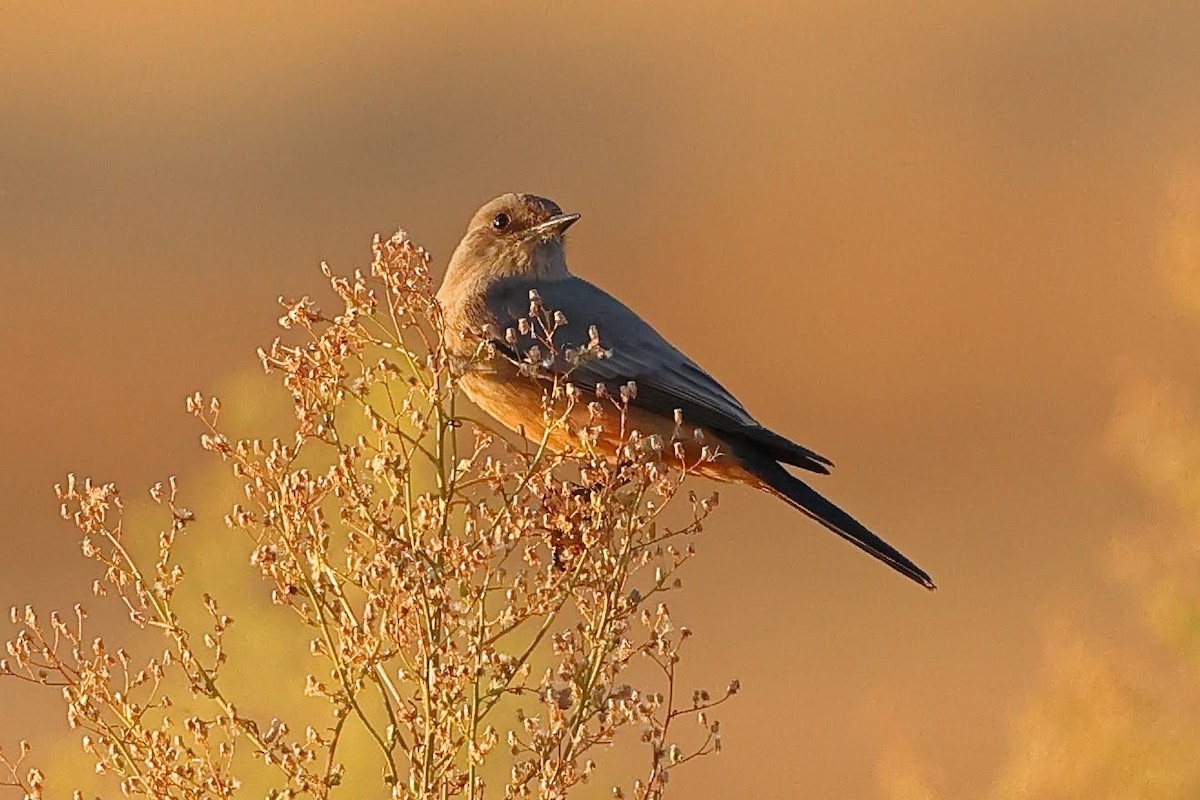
{"points": [[952, 246]]}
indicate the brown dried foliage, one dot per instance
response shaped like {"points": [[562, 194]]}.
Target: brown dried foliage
{"points": [[478, 608]]}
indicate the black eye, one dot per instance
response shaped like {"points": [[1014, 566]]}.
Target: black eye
{"points": [[500, 221]]}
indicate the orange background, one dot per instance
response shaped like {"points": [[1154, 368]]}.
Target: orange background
{"points": [[925, 239]]}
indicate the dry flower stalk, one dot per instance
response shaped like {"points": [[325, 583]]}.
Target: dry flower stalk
{"points": [[477, 607]]}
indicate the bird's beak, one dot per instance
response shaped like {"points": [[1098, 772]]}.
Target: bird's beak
{"points": [[554, 225]]}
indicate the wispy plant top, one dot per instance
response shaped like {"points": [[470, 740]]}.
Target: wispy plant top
{"points": [[487, 617]]}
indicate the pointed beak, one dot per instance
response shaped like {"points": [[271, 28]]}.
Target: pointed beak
{"points": [[554, 226]]}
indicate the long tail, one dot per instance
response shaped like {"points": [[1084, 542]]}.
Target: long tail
{"points": [[797, 493]]}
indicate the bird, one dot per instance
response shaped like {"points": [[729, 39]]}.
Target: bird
{"points": [[515, 245]]}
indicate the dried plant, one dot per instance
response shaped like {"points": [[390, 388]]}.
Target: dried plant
{"points": [[480, 609]]}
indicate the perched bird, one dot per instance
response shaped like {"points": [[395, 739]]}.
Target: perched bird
{"points": [[514, 245]]}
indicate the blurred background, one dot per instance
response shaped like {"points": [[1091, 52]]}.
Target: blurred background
{"points": [[955, 247]]}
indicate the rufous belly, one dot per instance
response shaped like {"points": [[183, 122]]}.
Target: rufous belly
{"points": [[518, 403]]}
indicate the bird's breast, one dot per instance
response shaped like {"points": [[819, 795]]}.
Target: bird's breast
{"points": [[520, 404]]}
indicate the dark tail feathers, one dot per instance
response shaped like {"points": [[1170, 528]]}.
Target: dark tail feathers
{"points": [[785, 450], [800, 495]]}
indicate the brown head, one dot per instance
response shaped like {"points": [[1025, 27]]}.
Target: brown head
{"points": [[513, 235]]}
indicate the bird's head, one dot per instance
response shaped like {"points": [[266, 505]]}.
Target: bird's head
{"points": [[513, 235]]}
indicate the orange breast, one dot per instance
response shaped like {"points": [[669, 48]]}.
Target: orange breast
{"points": [[517, 403]]}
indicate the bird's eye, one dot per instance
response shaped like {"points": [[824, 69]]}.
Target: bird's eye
{"points": [[500, 221]]}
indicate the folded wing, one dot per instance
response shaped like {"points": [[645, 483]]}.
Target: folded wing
{"points": [[666, 379]]}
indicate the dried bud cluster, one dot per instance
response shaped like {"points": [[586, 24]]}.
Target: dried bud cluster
{"points": [[475, 607]]}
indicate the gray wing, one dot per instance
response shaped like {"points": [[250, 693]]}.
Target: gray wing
{"points": [[666, 378]]}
